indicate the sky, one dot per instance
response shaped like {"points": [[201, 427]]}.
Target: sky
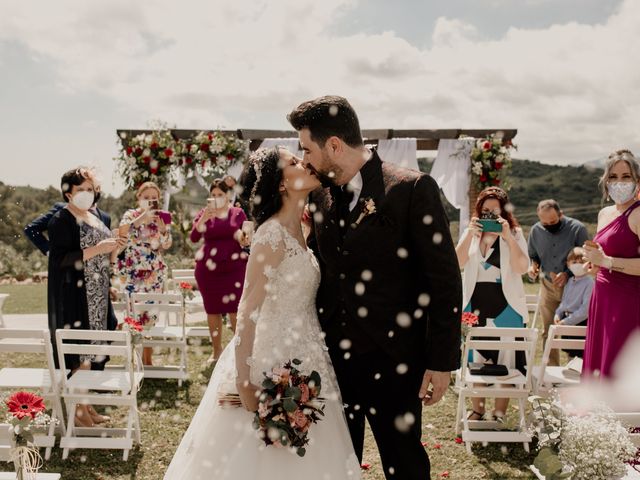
{"points": [[565, 73]]}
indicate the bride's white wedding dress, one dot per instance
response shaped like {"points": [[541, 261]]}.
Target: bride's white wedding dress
{"points": [[221, 442]]}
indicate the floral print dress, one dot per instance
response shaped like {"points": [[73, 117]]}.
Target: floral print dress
{"points": [[141, 267]]}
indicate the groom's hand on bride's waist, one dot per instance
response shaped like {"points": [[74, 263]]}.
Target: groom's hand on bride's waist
{"points": [[434, 384]]}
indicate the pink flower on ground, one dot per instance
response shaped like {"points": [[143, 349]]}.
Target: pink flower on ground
{"points": [[300, 419], [304, 398], [365, 466], [459, 440]]}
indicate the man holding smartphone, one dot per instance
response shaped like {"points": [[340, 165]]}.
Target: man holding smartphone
{"points": [[550, 241]]}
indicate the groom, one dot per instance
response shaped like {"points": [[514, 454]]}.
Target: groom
{"points": [[390, 295]]}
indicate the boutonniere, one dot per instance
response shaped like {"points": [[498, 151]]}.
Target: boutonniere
{"points": [[368, 208]]}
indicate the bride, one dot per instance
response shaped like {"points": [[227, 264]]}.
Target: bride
{"points": [[277, 322]]}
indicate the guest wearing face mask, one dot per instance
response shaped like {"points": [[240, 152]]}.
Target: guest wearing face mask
{"points": [[141, 266], [80, 247], [574, 307], [550, 241], [220, 262], [614, 311]]}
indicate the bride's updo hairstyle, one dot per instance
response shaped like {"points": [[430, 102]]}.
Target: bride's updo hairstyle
{"points": [[260, 182]]}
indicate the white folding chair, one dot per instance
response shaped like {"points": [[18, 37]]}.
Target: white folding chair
{"points": [[107, 387], [3, 297], [515, 385], [184, 275], [631, 420], [169, 331], [5, 456], [533, 306], [546, 377], [46, 381]]}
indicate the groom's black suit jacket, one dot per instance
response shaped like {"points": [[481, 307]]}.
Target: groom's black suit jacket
{"points": [[404, 257]]}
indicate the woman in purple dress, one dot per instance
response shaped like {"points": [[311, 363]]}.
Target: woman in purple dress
{"points": [[220, 262], [614, 311]]}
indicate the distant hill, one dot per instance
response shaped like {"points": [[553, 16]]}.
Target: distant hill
{"points": [[575, 187]]}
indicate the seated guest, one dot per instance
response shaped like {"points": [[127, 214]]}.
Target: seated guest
{"points": [[494, 262]]}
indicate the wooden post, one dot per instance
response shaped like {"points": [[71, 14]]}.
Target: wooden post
{"points": [[473, 197]]}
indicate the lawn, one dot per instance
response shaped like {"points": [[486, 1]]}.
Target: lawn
{"points": [[166, 411]]}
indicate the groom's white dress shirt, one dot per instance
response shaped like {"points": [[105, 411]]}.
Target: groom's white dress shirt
{"points": [[355, 185]]}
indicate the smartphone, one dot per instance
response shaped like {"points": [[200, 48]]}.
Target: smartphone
{"points": [[165, 216], [211, 203], [248, 228], [490, 225]]}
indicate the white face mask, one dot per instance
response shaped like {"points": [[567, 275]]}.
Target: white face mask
{"points": [[578, 269], [621, 192], [83, 200], [220, 202]]}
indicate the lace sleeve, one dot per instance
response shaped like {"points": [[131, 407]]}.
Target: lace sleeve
{"points": [[267, 251]]}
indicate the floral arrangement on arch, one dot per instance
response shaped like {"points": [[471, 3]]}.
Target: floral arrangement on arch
{"points": [[491, 162], [148, 157], [211, 153], [589, 445]]}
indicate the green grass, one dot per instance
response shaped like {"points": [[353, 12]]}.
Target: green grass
{"points": [[166, 411], [25, 298]]}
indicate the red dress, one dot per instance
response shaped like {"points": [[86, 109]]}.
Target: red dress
{"points": [[220, 262], [614, 311]]}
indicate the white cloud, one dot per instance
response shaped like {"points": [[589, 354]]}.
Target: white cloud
{"points": [[570, 89]]}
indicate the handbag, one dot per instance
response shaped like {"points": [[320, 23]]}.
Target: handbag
{"points": [[491, 370]]}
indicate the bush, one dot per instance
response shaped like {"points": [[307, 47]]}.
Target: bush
{"points": [[18, 265]]}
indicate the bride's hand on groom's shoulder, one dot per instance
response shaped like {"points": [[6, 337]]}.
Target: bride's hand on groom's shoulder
{"points": [[434, 385], [248, 395]]}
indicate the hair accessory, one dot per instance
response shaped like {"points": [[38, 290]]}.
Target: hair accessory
{"points": [[257, 162]]}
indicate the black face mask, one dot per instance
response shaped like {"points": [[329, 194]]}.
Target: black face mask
{"points": [[553, 228]]}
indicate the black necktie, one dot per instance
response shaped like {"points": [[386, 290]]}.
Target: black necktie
{"points": [[346, 195]]}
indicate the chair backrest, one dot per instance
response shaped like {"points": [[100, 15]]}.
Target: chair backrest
{"points": [[17, 340], [119, 346], [555, 340], [484, 338], [533, 302], [182, 272], [164, 305]]}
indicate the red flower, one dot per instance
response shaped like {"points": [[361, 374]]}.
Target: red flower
{"points": [[168, 152], [304, 389], [483, 178], [458, 440], [445, 474], [153, 146], [469, 318], [437, 446], [425, 444], [499, 165], [138, 152], [133, 323], [230, 157], [486, 145], [186, 286], [147, 160], [210, 136], [365, 466], [188, 160], [204, 147], [153, 170], [129, 150], [496, 181], [23, 404]]}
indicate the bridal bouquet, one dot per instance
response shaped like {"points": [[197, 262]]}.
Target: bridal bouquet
{"points": [[289, 404], [25, 414]]}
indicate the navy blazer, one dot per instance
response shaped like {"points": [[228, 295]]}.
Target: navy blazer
{"points": [[35, 230]]}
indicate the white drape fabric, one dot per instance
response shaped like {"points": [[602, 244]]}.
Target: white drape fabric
{"points": [[401, 151], [290, 144], [451, 172]]}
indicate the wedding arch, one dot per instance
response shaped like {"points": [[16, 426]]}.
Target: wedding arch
{"points": [[467, 159]]}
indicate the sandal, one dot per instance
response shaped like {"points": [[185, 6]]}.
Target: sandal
{"points": [[480, 416]]}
